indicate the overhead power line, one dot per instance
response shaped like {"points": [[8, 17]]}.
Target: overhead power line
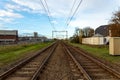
{"points": [[46, 9], [70, 13], [68, 22]]}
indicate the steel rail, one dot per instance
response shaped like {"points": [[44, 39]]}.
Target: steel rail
{"points": [[78, 64], [36, 75], [112, 71], [20, 64]]}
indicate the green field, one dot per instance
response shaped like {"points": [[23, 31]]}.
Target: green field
{"points": [[102, 52], [12, 53]]}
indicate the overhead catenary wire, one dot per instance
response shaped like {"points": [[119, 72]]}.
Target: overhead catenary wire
{"points": [[46, 9], [74, 13], [70, 13]]}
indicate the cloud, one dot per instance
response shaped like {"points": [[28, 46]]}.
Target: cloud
{"points": [[91, 13], [94, 13], [15, 7], [61, 8], [4, 13], [92, 20], [7, 20], [29, 5], [2, 26], [55, 8], [54, 22], [9, 16]]}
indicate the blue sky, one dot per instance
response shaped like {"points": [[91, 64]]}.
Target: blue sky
{"points": [[28, 16]]}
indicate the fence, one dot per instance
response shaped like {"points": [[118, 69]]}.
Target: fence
{"points": [[94, 40]]}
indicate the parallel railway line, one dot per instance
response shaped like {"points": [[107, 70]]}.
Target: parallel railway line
{"points": [[27, 69], [60, 62], [94, 68]]}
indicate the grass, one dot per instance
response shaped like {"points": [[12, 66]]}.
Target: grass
{"points": [[102, 52], [12, 53]]}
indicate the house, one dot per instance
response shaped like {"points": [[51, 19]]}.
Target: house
{"points": [[103, 30], [101, 36]]}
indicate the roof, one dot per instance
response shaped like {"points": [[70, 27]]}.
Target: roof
{"points": [[98, 35], [102, 30], [8, 32]]}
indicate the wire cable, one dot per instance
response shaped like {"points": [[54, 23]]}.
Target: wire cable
{"points": [[47, 8], [70, 12], [48, 12], [74, 13]]}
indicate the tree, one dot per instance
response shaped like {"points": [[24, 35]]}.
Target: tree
{"points": [[76, 36], [116, 18], [80, 33], [88, 32], [80, 36], [114, 26]]}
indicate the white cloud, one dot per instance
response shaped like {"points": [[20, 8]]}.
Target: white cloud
{"points": [[92, 20], [7, 20], [58, 8], [29, 5], [9, 16], [61, 8], [2, 26], [4, 13], [11, 7], [54, 22], [94, 13]]}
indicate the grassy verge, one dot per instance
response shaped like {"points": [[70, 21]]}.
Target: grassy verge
{"points": [[12, 53], [102, 53]]}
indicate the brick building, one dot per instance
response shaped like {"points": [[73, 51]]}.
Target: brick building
{"points": [[8, 36]]}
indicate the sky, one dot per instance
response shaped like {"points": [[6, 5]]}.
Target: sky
{"points": [[28, 16]]}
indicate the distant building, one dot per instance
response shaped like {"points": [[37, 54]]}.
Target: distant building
{"points": [[32, 39], [101, 36], [35, 34], [8, 36]]}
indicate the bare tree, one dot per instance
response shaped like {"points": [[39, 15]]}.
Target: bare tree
{"points": [[114, 26], [80, 33], [116, 18], [88, 32]]}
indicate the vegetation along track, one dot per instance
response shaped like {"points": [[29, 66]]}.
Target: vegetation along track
{"points": [[28, 69], [95, 69], [61, 62], [57, 66]]}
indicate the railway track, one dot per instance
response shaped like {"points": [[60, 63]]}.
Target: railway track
{"points": [[77, 70], [62, 67], [60, 62], [30, 67], [92, 68]]}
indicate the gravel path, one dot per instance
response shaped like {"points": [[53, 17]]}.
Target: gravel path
{"points": [[58, 67]]}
